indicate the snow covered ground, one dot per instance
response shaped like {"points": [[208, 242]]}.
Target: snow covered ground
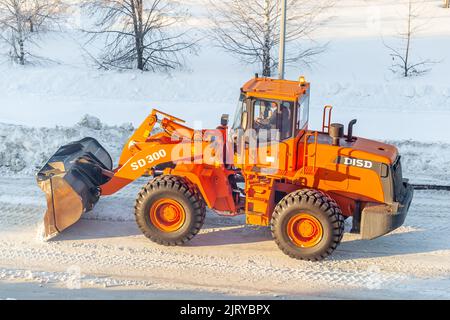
{"points": [[42, 107], [106, 256]]}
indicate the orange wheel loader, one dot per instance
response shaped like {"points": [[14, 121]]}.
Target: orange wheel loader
{"points": [[268, 165]]}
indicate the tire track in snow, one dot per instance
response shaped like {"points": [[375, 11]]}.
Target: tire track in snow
{"points": [[148, 259], [376, 263], [16, 215]]}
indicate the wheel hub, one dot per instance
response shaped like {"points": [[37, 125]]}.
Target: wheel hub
{"points": [[304, 230], [167, 215], [170, 213]]}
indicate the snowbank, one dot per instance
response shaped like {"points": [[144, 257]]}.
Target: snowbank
{"points": [[23, 150], [425, 162]]}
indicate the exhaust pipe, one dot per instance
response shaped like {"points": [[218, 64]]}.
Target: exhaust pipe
{"points": [[350, 130]]}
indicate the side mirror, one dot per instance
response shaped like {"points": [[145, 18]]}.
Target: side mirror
{"points": [[224, 120], [244, 120]]}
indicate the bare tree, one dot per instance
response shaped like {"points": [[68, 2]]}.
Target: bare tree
{"points": [[21, 21], [140, 34], [250, 29], [401, 56], [43, 15]]}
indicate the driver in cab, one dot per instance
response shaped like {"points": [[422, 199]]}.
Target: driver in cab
{"points": [[267, 118]]}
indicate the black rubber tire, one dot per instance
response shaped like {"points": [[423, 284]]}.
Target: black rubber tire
{"points": [[176, 188], [317, 204]]}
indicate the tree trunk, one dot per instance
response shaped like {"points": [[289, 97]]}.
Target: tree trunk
{"points": [[21, 52], [136, 7], [267, 36], [139, 55], [21, 44], [446, 3], [408, 41], [266, 60]]}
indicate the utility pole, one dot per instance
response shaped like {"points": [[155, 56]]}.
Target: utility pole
{"points": [[281, 57]]}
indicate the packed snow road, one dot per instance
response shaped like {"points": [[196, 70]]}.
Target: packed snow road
{"points": [[105, 256]]}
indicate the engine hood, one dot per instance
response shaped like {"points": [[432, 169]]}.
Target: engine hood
{"points": [[376, 149], [364, 149]]}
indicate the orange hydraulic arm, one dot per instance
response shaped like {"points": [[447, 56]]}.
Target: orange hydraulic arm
{"points": [[144, 151]]}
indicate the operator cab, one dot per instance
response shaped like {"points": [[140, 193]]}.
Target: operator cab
{"points": [[278, 107]]}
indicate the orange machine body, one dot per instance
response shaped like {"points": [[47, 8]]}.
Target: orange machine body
{"points": [[192, 153], [351, 172]]}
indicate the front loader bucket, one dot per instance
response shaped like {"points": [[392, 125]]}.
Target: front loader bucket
{"points": [[71, 180]]}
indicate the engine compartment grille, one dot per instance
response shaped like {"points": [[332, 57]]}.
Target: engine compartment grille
{"points": [[397, 176]]}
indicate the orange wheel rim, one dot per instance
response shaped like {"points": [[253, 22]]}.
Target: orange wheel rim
{"points": [[167, 215], [305, 230]]}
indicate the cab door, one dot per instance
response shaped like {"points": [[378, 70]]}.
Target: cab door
{"points": [[267, 146]]}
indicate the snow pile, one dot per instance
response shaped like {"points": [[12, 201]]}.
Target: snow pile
{"points": [[425, 162], [23, 149], [90, 122]]}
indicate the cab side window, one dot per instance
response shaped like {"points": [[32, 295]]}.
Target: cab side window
{"points": [[302, 113], [286, 111]]}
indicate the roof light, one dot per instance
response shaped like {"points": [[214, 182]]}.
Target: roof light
{"points": [[302, 80]]}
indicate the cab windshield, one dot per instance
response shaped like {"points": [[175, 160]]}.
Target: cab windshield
{"points": [[240, 108]]}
